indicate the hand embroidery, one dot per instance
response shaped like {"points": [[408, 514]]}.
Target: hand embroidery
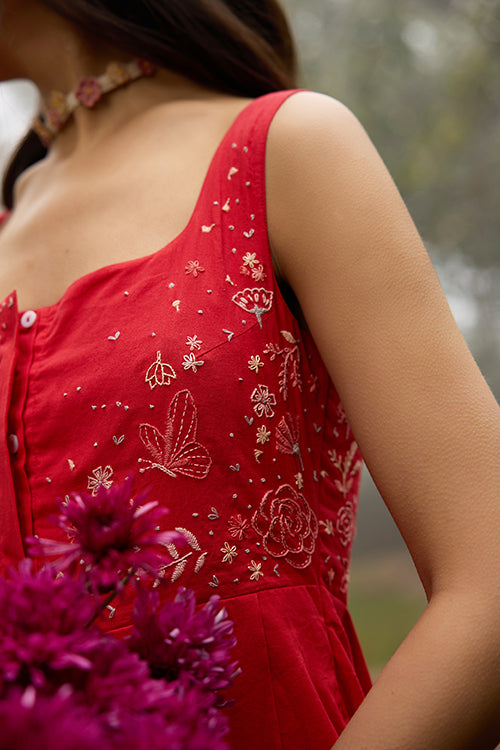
{"points": [[176, 451]]}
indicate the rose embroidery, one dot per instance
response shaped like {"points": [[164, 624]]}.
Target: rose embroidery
{"points": [[287, 525], [346, 523]]}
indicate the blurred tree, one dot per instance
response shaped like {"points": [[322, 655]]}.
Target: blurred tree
{"points": [[422, 76]]}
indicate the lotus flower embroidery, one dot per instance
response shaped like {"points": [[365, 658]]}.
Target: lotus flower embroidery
{"points": [[255, 301], [160, 373]]}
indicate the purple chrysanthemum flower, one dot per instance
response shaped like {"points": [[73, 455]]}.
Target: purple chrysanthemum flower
{"points": [[119, 684], [43, 631], [189, 722], [112, 536], [139, 712], [177, 639], [29, 721]]}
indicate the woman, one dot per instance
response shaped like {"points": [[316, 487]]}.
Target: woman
{"points": [[188, 364]]}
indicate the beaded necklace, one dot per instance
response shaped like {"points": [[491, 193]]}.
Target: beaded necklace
{"points": [[90, 89]]}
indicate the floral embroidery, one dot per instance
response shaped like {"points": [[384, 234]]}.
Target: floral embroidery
{"points": [[263, 435], [342, 418], [176, 451], [264, 401], [258, 454], [348, 471], [228, 553], [346, 519], [179, 563], [289, 372], [313, 382], [287, 437], [160, 373], [258, 274], [255, 569], [254, 301], [299, 480], [287, 525], [344, 585], [191, 363], [101, 478], [239, 527], [250, 260], [255, 363], [194, 343], [194, 267], [328, 527]]}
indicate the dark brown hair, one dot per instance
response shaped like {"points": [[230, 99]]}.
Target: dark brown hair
{"points": [[239, 47]]}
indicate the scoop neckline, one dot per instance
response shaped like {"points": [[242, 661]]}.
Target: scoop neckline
{"points": [[109, 268]]}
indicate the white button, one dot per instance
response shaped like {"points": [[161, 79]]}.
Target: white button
{"points": [[28, 318], [13, 443]]}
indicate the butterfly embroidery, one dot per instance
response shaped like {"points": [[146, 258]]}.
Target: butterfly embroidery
{"points": [[176, 451]]}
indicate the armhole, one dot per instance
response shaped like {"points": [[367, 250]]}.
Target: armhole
{"points": [[259, 137]]}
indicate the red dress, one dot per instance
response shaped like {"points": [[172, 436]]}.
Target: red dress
{"points": [[261, 471]]}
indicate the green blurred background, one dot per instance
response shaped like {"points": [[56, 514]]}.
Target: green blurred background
{"points": [[423, 76]]}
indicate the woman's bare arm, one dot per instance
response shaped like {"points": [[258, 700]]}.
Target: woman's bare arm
{"points": [[425, 420]]}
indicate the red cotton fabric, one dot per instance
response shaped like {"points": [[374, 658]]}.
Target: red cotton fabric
{"points": [[260, 471]]}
